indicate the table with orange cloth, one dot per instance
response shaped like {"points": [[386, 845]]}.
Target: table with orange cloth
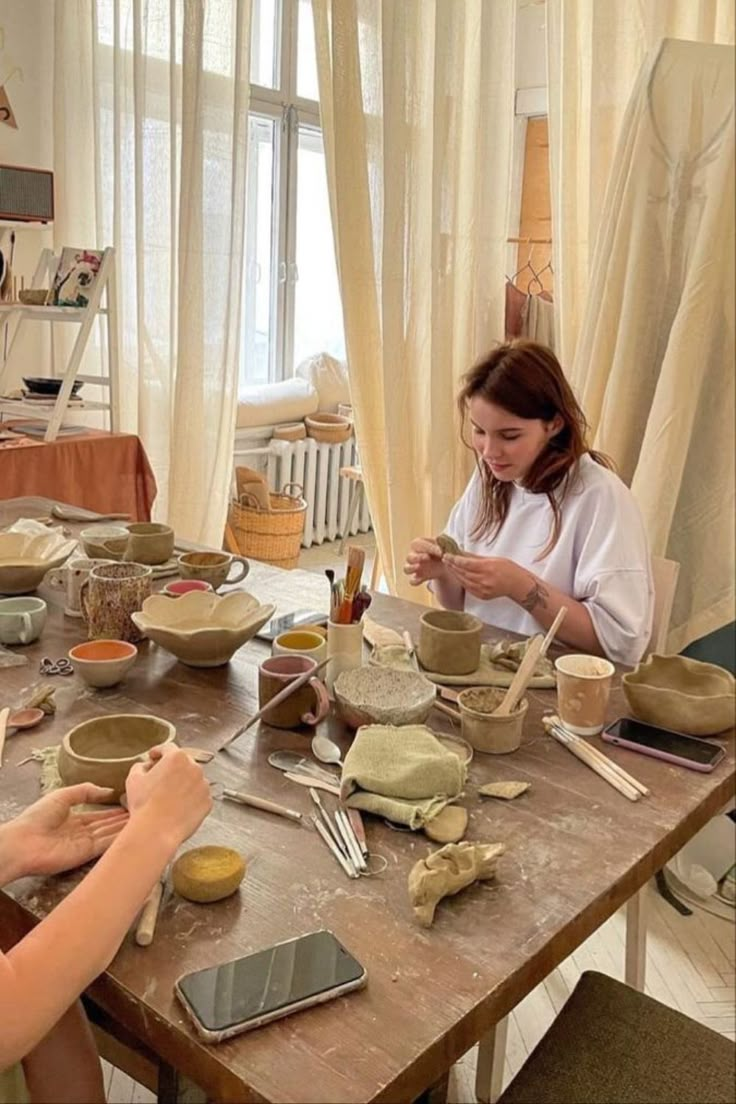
{"points": [[104, 472]]}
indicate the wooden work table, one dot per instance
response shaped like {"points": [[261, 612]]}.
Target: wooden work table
{"points": [[576, 851]]}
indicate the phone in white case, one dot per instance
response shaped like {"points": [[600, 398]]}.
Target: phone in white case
{"points": [[249, 992]]}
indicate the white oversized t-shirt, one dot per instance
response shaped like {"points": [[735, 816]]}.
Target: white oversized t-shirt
{"points": [[601, 557]]}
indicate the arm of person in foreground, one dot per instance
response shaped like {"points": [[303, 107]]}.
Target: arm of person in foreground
{"points": [[47, 970]]}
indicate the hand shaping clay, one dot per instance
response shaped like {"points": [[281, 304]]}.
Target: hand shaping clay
{"points": [[448, 545], [447, 871], [207, 874], [448, 826], [506, 790]]}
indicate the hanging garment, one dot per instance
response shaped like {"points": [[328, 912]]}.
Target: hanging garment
{"points": [[538, 320], [515, 303], [656, 348]]}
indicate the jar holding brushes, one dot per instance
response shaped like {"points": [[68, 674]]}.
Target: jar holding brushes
{"points": [[348, 602]]}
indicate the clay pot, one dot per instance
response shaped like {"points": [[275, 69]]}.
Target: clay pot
{"points": [[149, 542], [449, 642], [683, 694], [102, 663], [485, 732], [104, 749]]}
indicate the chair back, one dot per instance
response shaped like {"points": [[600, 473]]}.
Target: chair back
{"points": [[664, 575]]}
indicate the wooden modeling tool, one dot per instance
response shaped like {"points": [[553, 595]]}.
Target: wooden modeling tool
{"points": [[522, 678], [353, 578], [356, 822], [144, 932], [261, 803], [312, 783], [276, 700], [596, 760], [4, 714]]}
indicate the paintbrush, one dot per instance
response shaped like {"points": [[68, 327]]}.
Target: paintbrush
{"points": [[353, 578], [276, 700]]}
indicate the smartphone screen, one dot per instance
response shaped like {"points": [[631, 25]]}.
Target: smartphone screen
{"points": [[280, 625], [251, 987], [659, 739]]}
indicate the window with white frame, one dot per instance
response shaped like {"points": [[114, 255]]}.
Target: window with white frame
{"points": [[291, 298]]}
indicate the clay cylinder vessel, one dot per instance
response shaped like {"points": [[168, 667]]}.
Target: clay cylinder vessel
{"points": [[482, 729], [449, 642], [104, 749]]}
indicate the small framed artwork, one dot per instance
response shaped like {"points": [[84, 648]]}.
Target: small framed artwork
{"points": [[75, 277]]}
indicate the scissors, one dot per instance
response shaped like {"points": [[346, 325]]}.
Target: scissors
{"points": [[55, 667]]}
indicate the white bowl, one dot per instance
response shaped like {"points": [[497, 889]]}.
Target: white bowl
{"points": [[26, 557], [202, 629]]}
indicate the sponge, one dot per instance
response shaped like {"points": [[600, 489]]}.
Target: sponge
{"points": [[207, 874]]}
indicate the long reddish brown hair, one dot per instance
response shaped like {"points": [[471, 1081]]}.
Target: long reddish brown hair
{"points": [[526, 380]]}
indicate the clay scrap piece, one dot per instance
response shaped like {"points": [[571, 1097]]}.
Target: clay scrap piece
{"points": [[380, 636], [448, 826], [206, 874], [448, 545], [41, 697], [447, 871], [507, 790]]}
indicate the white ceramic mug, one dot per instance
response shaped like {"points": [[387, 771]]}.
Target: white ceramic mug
{"points": [[344, 649], [583, 687], [300, 642], [70, 577], [21, 619]]}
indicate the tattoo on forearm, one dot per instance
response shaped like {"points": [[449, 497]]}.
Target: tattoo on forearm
{"points": [[537, 596]]}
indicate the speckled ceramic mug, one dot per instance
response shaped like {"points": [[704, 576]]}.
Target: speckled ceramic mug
{"points": [[108, 597]]}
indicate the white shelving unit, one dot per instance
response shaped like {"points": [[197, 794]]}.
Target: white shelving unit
{"points": [[103, 302]]}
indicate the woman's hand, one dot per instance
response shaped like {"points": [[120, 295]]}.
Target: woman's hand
{"points": [[171, 790], [424, 561], [484, 577], [50, 837]]}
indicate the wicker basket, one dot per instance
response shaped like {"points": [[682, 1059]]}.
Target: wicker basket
{"points": [[273, 537]]}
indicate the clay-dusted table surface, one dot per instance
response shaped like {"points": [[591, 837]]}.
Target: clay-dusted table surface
{"points": [[576, 851]]}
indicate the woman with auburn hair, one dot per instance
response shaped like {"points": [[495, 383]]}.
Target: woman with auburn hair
{"points": [[544, 522]]}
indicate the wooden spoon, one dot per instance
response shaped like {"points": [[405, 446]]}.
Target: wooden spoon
{"points": [[4, 714]]}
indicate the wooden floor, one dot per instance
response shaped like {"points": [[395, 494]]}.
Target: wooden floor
{"points": [[690, 961]]}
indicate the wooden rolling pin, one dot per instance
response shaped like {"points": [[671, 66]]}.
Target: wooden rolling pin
{"points": [[149, 915]]}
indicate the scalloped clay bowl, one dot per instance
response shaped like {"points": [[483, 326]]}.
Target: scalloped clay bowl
{"points": [[104, 749], [202, 629], [25, 558], [102, 663], [381, 695], [682, 694]]}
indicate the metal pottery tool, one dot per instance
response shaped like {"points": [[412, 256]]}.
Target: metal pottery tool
{"points": [[298, 764]]}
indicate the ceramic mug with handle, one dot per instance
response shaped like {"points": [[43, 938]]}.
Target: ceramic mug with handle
{"points": [[149, 542], [309, 705], [109, 595], [212, 567], [70, 578], [300, 642], [21, 620]]}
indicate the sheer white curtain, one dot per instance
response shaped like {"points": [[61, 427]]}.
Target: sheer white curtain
{"points": [[595, 49], [150, 140], [417, 112]]}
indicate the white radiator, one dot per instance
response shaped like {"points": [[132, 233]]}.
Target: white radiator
{"points": [[315, 466]]}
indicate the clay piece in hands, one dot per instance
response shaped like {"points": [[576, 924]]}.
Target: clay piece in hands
{"points": [[448, 545], [447, 871], [448, 826], [506, 790]]}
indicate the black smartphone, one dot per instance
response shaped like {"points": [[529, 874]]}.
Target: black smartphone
{"points": [[278, 625], [238, 996], [674, 747]]}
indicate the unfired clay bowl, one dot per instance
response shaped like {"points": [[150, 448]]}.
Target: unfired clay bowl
{"points": [[380, 695], [104, 749], [449, 642], [682, 694], [202, 629], [102, 663], [494, 735], [25, 558]]}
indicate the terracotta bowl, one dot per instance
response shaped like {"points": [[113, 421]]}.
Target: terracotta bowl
{"points": [[381, 695], [104, 749], [202, 629], [328, 427], [25, 558], [682, 694], [102, 663], [449, 642]]}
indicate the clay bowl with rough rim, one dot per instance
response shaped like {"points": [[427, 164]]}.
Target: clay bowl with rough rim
{"points": [[682, 694], [449, 642], [202, 629], [382, 695], [104, 749], [25, 558], [494, 735], [102, 663]]}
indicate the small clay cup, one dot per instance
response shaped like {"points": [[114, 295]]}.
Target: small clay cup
{"points": [[184, 586], [213, 567], [104, 749], [149, 542], [449, 642], [299, 642], [108, 596], [103, 663], [583, 689], [309, 704], [484, 732]]}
